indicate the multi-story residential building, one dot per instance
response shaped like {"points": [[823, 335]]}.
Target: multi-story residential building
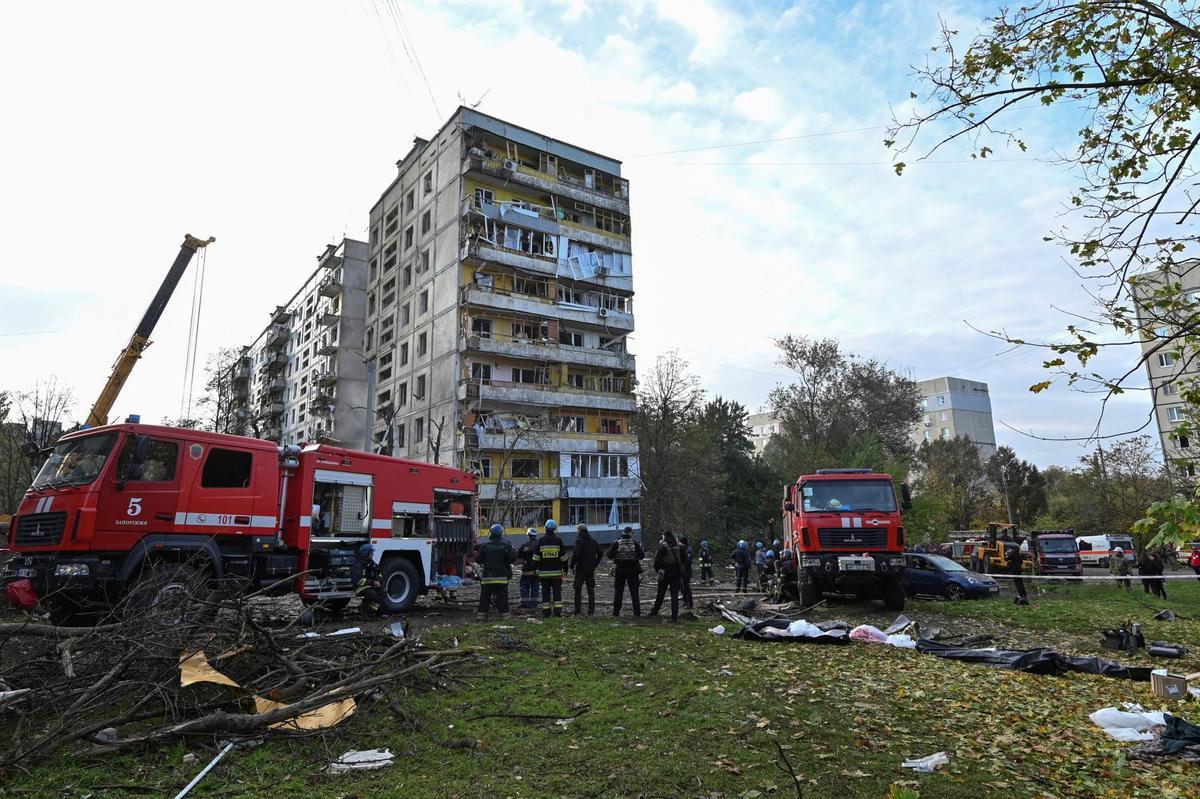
{"points": [[762, 427], [305, 378], [1167, 364], [952, 407], [499, 302]]}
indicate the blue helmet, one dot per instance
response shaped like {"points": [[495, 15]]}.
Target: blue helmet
{"points": [[770, 553], [704, 544], [758, 545], [497, 530], [551, 526], [366, 550], [743, 545], [776, 543]]}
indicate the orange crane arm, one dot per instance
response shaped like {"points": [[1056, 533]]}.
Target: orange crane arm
{"points": [[141, 336]]}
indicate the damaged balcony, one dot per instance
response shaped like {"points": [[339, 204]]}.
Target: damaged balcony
{"points": [[545, 395], [277, 335], [600, 487], [330, 286], [546, 221], [551, 351], [581, 188], [550, 441], [329, 319], [487, 297]]}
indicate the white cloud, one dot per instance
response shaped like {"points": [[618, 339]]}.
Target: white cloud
{"points": [[681, 93], [708, 25], [758, 105], [574, 10]]}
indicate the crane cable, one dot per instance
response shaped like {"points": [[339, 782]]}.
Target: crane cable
{"points": [[193, 342]]}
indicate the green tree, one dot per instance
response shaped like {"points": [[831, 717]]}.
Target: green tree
{"points": [[752, 489], [1019, 486], [1114, 486], [840, 408], [953, 480]]}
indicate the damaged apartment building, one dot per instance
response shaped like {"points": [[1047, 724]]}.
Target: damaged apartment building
{"points": [[304, 378], [499, 304]]}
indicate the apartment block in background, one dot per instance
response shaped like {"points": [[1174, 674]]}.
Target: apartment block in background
{"points": [[1166, 364], [952, 407], [762, 427], [500, 298], [303, 379]]}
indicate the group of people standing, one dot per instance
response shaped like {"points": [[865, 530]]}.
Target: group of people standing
{"points": [[777, 574], [545, 563]]}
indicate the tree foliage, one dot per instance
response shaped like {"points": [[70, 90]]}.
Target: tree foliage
{"points": [[1128, 73], [841, 410], [1019, 486], [953, 483]]}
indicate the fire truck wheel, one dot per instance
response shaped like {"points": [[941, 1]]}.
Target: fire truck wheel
{"points": [[173, 590], [399, 581], [893, 595]]}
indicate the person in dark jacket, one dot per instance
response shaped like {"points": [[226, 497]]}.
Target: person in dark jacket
{"points": [[741, 560], [685, 571], [495, 557], [364, 576], [585, 557], [1012, 554], [551, 562], [789, 576], [668, 562], [529, 579], [1152, 567], [706, 564], [627, 556]]}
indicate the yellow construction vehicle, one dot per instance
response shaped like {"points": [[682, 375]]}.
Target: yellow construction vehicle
{"points": [[990, 555], [141, 335]]}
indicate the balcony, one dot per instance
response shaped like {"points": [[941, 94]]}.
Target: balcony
{"points": [[281, 315], [277, 385], [328, 348], [326, 379], [328, 319], [241, 372], [523, 490], [276, 335], [600, 487], [270, 410], [564, 184], [552, 441], [330, 286], [551, 351], [545, 395], [605, 319], [545, 220], [577, 268]]}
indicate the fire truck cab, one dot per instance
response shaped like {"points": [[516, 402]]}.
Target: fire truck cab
{"points": [[845, 528], [117, 505]]}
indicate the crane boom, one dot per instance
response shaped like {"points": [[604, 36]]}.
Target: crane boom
{"points": [[141, 335]]}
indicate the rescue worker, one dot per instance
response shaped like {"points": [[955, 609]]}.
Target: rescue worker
{"points": [[495, 557], [364, 576], [668, 562], [767, 577], [529, 579], [789, 585], [627, 556], [551, 562], [1119, 567], [585, 557], [1194, 560], [1012, 554], [706, 564], [760, 561], [685, 571], [740, 557]]}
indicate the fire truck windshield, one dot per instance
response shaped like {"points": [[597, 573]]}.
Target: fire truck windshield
{"points": [[836, 496], [76, 462]]}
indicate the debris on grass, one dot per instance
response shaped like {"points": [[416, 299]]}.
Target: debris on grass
{"points": [[361, 760], [927, 764]]}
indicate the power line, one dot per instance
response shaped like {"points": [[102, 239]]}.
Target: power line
{"points": [[390, 51], [760, 141], [410, 49], [848, 163]]}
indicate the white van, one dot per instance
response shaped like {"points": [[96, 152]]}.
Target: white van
{"points": [[1096, 550]]}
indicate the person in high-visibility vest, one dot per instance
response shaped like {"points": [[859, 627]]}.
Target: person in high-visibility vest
{"points": [[706, 564], [496, 557], [551, 562]]}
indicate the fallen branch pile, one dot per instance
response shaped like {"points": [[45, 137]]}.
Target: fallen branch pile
{"points": [[98, 690]]}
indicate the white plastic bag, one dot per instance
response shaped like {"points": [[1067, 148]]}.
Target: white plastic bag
{"points": [[718, 630], [865, 632], [927, 764], [902, 640], [1127, 726], [365, 760]]}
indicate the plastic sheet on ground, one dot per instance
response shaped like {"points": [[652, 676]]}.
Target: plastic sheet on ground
{"points": [[365, 760], [927, 764], [783, 629], [1034, 661], [1132, 724], [865, 632]]}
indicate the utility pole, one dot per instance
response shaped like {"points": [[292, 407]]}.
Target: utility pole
{"points": [[1007, 498]]}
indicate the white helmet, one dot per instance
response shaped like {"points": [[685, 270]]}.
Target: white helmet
{"points": [[1119, 551]]}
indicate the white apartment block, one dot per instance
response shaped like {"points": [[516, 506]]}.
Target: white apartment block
{"points": [[499, 301], [303, 379], [952, 407], [1167, 364], [762, 427]]}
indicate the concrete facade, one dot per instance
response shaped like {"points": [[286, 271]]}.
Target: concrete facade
{"points": [[952, 407], [303, 379], [499, 300], [762, 427], [1167, 366]]}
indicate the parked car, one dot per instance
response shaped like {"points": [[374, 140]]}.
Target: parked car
{"points": [[937, 575]]}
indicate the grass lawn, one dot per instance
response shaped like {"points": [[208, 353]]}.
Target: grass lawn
{"points": [[675, 711]]}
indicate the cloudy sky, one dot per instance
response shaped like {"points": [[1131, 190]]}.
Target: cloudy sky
{"points": [[275, 126]]}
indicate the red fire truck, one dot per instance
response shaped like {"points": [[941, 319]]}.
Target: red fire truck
{"points": [[129, 508], [845, 529]]}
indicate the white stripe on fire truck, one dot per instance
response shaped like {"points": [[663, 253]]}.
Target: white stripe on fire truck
{"points": [[215, 520], [858, 521], [381, 524], [44, 504], [845, 521]]}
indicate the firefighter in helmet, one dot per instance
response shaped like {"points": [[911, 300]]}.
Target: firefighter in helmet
{"points": [[364, 576]]}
